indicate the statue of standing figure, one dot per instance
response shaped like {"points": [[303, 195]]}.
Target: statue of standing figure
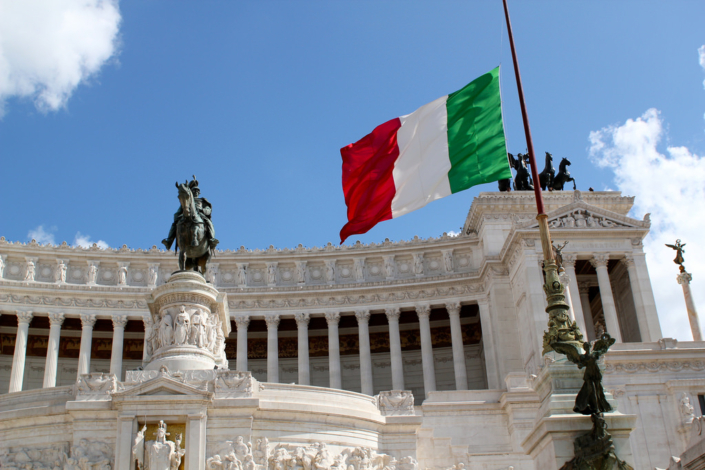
{"points": [[158, 454]]}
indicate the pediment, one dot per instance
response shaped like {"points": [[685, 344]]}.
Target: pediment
{"points": [[580, 215], [162, 385]]}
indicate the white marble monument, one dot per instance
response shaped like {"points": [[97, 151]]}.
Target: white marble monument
{"points": [[418, 354]]}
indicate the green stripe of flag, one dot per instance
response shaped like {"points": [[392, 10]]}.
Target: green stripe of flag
{"points": [[476, 144]]}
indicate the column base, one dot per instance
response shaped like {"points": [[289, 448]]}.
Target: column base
{"points": [[182, 358]]}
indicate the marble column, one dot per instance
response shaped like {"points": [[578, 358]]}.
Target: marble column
{"points": [[456, 337], [148, 339], [302, 320], [363, 318], [332, 318], [628, 262], [647, 296], [429, 371], [241, 322], [195, 458], [565, 280], [119, 323], [584, 290], [572, 290], [18, 360], [488, 345], [272, 348], [684, 279], [608, 305], [52, 361], [395, 347], [123, 442], [84, 354]]}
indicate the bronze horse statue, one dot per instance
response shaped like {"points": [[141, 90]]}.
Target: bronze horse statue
{"points": [[563, 176], [191, 234], [548, 174]]}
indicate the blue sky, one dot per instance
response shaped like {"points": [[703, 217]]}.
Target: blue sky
{"points": [[256, 99]]}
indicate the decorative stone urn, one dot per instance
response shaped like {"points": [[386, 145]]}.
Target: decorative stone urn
{"points": [[188, 327]]}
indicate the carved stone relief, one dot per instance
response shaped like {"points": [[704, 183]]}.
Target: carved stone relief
{"points": [[87, 454], [238, 454], [395, 403], [581, 218]]}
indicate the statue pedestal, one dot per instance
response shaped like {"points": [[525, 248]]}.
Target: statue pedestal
{"points": [[550, 442], [190, 322]]}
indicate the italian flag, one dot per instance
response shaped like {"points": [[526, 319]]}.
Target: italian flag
{"points": [[445, 146]]}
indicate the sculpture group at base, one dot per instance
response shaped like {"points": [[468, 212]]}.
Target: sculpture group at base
{"points": [[238, 455], [87, 455]]}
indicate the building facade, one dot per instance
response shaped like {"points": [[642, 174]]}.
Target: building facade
{"points": [[416, 354]]}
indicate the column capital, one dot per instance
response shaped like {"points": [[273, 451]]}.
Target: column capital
{"points": [[56, 319], [453, 308], [628, 261], [88, 319], [569, 260], [24, 317], [148, 322], [332, 318], [484, 300], [119, 321], [584, 287], [363, 316], [684, 278], [272, 321], [302, 319], [599, 261], [241, 321], [392, 313], [423, 310]]}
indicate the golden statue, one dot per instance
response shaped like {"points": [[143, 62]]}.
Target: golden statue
{"points": [[679, 253]]}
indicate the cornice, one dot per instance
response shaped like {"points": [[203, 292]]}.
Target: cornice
{"points": [[524, 202], [242, 254]]}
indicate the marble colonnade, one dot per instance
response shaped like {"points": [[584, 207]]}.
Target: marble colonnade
{"points": [[365, 357], [242, 322], [578, 291], [56, 320]]}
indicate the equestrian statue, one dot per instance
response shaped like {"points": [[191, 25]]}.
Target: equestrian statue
{"points": [[522, 180], [548, 179], [192, 229]]}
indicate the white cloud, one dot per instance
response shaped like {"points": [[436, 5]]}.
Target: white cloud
{"points": [[42, 235], [86, 242], [670, 187], [49, 47]]}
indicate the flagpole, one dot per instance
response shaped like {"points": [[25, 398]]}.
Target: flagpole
{"points": [[541, 217], [560, 328]]}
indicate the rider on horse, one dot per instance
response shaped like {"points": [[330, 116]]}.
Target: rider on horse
{"points": [[204, 209]]}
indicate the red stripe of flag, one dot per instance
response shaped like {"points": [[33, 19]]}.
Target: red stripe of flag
{"points": [[368, 183]]}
